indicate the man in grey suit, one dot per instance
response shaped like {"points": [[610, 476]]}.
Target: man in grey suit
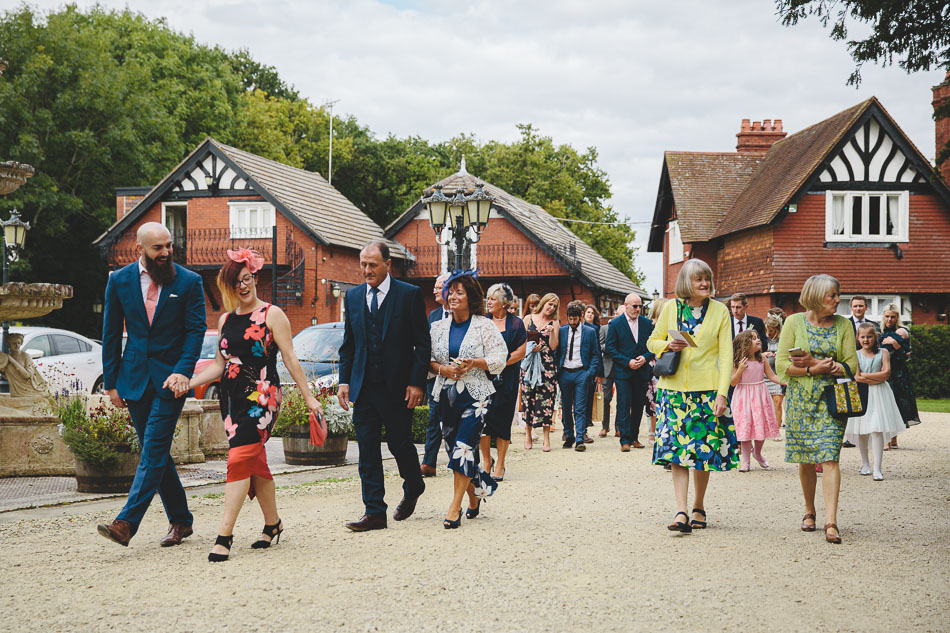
{"points": [[608, 384]]}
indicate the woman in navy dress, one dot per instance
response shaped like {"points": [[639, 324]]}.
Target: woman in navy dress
{"points": [[249, 337], [501, 411], [896, 340], [466, 349]]}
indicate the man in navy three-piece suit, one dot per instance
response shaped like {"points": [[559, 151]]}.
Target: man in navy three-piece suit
{"points": [[578, 363], [384, 360], [626, 344], [161, 306]]}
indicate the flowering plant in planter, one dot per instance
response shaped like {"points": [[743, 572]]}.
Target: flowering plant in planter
{"points": [[97, 436], [293, 411]]}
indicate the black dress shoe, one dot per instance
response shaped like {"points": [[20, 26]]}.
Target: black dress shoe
{"points": [[568, 444], [368, 522], [847, 444], [581, 447], [406, 507]]}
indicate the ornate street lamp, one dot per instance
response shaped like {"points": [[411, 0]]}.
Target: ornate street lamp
{"points": [[656, 294], [478, 208], [437, 205], [459, 213], [14, 236]]}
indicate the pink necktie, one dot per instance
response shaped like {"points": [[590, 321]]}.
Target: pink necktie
{"points": [[151, 300]]}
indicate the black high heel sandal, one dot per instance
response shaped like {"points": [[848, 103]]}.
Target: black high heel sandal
{"points": [[698, 525], [451, 525], [225, 541], [273, 531], [471, 513], [680, 526]]}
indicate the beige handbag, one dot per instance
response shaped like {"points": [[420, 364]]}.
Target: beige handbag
{"points": [[597, 411]]}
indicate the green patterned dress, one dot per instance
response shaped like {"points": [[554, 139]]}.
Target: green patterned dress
{"points": [[812, 436], [687, 432]]}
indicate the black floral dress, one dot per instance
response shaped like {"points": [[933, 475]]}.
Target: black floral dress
{"points": [[250, 387], [537, 402]]}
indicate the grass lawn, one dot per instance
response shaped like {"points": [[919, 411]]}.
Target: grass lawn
{"points": [[940, 405]]}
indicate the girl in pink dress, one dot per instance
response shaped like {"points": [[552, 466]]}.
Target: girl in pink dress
{"points": [[752, 409]]}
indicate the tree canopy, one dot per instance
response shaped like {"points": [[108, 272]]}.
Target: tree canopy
{"points": [[97, 99]]}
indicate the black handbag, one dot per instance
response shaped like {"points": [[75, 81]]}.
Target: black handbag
{"points": [[668, 362], [846, 399]]}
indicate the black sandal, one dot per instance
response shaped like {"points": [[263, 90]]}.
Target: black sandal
{"points": [[273, 531], [226, 541], [680, 526], [452, 525], [698, 525], [471, 513]]}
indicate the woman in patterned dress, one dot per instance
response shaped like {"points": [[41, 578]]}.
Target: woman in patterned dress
{"points": [[537, 399], [823, 343], [692, 432], [466, 349], [249, 337], [896, 340]]}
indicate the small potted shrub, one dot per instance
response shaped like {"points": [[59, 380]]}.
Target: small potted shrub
{"points": [[103, 443], [293, 426]]}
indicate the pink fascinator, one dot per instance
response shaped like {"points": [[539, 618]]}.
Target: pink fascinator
{"points": [[253, 259]]}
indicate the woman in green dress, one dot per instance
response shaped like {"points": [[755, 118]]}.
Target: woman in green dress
{"points": [[823, 343]]}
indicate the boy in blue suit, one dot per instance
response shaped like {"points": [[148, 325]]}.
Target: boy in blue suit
{"points": [[161, 305], [578, 362], [626, 345]]}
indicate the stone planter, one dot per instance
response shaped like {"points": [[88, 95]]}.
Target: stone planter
{"points": [[116, 479], [299, 452]]}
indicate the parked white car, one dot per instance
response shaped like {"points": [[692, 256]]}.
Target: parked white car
{"points": [[65, 359]]}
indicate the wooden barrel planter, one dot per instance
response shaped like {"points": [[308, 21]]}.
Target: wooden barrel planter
{"points": [[116, 479], [299, 452]]}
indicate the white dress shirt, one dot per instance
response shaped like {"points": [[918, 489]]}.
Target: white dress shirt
{"points": [[634, 327], [573, 361], [381, 295], [145, 280], [735, 324]]}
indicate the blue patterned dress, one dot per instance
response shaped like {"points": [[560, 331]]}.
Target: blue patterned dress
{"points": [[687, 432], [812, 436]]}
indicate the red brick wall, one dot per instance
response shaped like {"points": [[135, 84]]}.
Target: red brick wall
{"points": [[745, 263], [924, 268], [124, 204]]}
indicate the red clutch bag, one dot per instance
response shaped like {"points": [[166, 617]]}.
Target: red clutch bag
{"points": [[318, 430]]}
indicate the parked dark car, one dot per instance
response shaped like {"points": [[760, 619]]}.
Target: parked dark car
{"points": [[318, 349]]}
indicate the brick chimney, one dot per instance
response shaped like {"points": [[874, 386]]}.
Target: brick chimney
{"points": [[942, 126], [757, 137]]}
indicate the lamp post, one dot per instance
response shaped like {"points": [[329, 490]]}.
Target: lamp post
{"points": [[656, 294], [459, 213], [14, 236]]}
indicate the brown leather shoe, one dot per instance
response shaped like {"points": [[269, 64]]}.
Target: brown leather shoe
{"points": [[616, 433], [368, 522], [427, 471], [637, 444], [580, 448], [406, 507], [118, 531], [624, 448], [176, 532], [588, 439], [603, 433]]}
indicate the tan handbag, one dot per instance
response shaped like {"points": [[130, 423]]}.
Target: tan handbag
{"points": [[597, 411]]}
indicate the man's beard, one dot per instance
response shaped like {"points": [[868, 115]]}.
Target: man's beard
{"points": [[161, 274]]}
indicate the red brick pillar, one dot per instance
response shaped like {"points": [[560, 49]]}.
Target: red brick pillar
{"points": [[942, 126]]}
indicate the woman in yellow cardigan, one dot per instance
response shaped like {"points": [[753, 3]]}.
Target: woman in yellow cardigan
{"points": [[823, 343], [691, 433]]}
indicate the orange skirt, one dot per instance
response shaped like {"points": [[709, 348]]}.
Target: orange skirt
{"points": [[244, 461]]}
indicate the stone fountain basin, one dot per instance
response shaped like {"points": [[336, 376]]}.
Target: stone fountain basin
{"points": [[20, 301]]}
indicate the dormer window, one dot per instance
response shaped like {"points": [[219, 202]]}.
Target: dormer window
{"points": [[866, 216]]}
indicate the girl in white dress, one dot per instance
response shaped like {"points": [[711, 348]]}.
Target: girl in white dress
{"points": [[882, 420]]}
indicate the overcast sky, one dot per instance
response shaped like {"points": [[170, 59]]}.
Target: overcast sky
{"points": [[631, 78]]}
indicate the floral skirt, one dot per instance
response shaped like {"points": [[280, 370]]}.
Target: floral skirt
{"points": [[689, 435], [463, 419], [812, 436]]}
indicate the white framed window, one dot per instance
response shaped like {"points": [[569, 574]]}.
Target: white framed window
{"points": [[675, 243], [251, 220], [867, 216], [876, 305]]}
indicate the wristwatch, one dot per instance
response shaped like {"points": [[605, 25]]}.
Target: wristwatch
{"points": [[808, 371]]}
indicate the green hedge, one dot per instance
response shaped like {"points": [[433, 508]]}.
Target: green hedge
{"points": [[420, 420], [930, 360]]}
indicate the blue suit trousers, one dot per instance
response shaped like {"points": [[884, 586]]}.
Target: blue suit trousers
{"points": [[574, 412], [155, 419]]}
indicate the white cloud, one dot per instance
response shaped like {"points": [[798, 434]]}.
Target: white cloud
{"points": [[630, 78]]}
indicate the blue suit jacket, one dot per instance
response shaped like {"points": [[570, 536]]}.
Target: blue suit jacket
{"points": [[170, 345], [435, 315], [590, 350], [621, 347], [406, 343]]}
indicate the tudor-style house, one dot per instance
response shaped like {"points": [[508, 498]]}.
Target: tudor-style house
{"points": [[220, 197], [850, 196], [522, 244]]}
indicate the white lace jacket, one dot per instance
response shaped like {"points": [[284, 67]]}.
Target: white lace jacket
{"points": [[483, 340]]}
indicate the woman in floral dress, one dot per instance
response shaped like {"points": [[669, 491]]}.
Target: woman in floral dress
{"points": [[539, 388], [692, 432], [249, 337], [823, 343], [466, 350]]}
